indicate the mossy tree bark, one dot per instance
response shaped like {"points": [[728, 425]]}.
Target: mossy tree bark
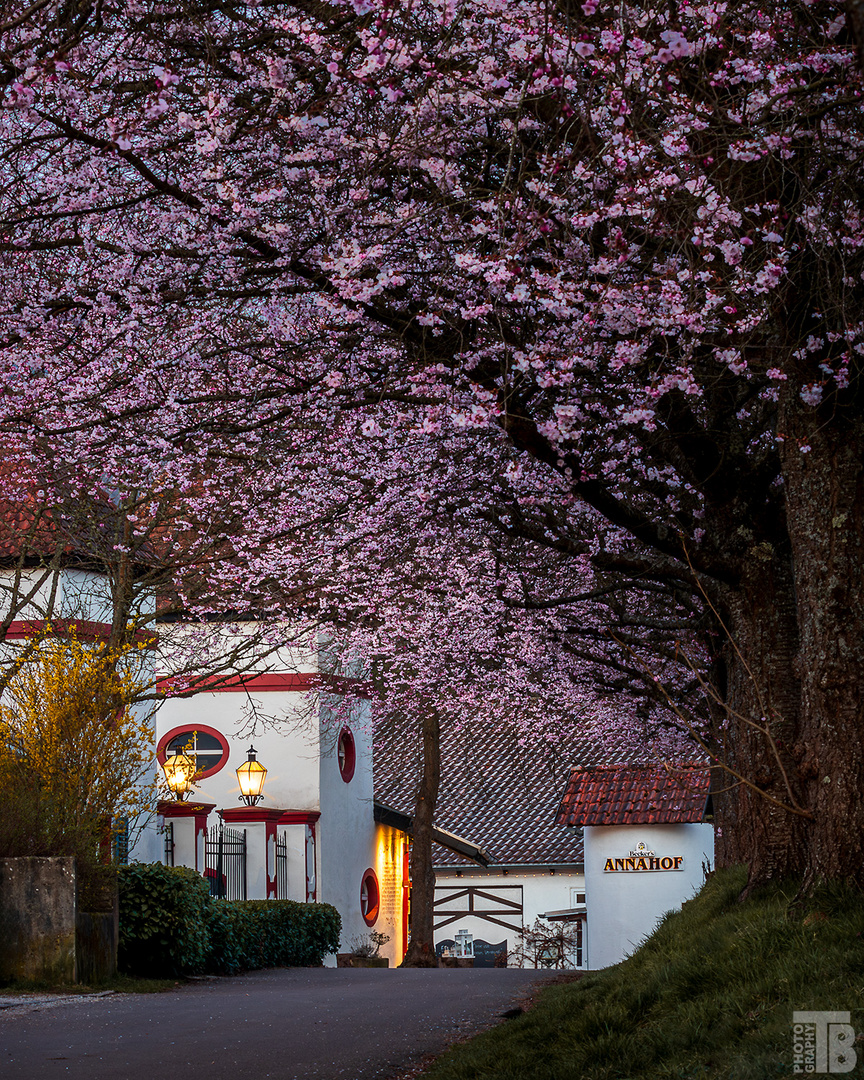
{"points": [[825, 499]]}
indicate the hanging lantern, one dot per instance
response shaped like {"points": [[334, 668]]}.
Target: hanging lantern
{"points": [[179, 770], [250, 776]]}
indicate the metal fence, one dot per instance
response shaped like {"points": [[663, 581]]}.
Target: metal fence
{"points": [[169, 843], [282, 866], [225, 862]]}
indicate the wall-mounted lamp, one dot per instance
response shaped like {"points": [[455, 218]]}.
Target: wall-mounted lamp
{"points": [[179, 770]]}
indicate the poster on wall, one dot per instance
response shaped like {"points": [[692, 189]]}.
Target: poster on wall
{"points": [[486, 953]]}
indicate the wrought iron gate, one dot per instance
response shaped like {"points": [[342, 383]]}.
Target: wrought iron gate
{"points": [[225, 862], [282, 866], [169, 843]]}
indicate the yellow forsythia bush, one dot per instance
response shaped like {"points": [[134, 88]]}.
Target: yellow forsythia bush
{"points": [[74, 756]]}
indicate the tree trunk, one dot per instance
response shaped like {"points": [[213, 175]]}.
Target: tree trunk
{"points": [[825, 498], [757, 730], [421, 950]]}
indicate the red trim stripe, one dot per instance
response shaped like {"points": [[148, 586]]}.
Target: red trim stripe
{"points": [[269, 682], [84, 629], [299, 817]]}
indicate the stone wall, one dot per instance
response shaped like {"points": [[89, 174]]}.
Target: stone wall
{"points": [[37, 919]]}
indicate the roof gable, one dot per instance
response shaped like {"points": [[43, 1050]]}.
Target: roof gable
{"points": [[635, 795]]}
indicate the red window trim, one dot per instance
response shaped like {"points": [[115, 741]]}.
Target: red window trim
{"points": [[205, 730], [370, 916], [346, 771]]}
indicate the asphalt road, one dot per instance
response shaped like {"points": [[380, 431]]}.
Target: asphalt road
{"points": [[287, 1024]]}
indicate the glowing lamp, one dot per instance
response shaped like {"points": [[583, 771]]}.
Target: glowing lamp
{"points": [[250, 776], [179, 770]]}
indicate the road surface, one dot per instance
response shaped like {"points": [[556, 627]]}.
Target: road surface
{"points": [[285, 1024]]}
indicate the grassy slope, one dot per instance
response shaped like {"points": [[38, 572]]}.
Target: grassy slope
{"points": [[710, 995]]}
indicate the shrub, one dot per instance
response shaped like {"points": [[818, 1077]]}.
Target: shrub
{"points": [[73, 755], [163, 920], [169, 925], [368, 945], [247, 934]]}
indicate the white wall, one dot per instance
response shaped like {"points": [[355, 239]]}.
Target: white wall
{"points": [[64, 593], [147, 841], [542, 891], [346, 829], [242, 647], [287, 746], [85, 596], [624, 907], [281, 724]]}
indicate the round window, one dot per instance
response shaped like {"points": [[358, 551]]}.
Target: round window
{"points": [[208, 746], [347, 754], [370, 898]]}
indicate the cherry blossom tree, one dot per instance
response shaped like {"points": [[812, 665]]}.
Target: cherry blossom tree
{"points": [[606, 258]]}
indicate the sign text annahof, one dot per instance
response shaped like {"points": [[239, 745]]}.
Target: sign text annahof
{"points": [[641, 859]]}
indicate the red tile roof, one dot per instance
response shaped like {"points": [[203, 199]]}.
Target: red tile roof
{"points": [[635, 795], [36, 527]]}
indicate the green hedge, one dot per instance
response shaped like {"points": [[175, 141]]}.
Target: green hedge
{"points": [[246, 934], [169, 924], [163, 920]]}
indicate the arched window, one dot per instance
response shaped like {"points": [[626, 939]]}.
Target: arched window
{"points": [[370, 897], [207, 745], [347, 754]]}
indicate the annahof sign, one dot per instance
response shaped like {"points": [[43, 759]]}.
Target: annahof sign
{"points": [[641, 859]]}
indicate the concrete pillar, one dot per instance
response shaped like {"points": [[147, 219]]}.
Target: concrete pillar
{"points": [[190, 831], [37, 919], [300, 829]]}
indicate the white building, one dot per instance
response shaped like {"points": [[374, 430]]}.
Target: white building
{"points": [[647, 848], [313, 836]]}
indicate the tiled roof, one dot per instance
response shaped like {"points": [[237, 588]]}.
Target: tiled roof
{"points": [[39, 532], [635, 795], [20, 529], [495, 793], [81, 531]]}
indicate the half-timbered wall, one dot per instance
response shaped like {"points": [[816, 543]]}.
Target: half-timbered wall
{"points": [[494, 907]]}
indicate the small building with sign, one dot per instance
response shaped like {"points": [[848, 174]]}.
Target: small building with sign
{"points": [[648, 842]]}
